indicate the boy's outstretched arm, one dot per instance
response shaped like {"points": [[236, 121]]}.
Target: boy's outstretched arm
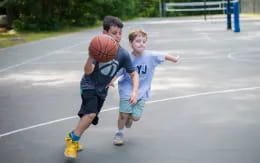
{"points": [[135, 85], [89, 66], [171, 58]]}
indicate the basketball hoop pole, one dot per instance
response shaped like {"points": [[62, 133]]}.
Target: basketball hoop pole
{"points": [[228, 12], [236, 16]]}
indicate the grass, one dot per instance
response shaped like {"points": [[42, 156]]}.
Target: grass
{"points": [[11, 38]]}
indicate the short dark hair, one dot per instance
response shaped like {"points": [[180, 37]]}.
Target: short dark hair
{"points": [[112, 21]]}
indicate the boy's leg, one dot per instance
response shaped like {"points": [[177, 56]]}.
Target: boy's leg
{"points": [[129, 122], [122, 118], [119, 136], [84, 123], [72, 145], [91, 105], [137, 112], [125, 110]]}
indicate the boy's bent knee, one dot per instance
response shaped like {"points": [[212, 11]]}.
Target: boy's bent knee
{"points": [[135, 118], [90, 116], [123, 116]]}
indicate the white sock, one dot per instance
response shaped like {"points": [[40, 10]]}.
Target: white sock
{"points": [[121, 131]]}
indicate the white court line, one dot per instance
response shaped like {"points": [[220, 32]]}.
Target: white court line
{"points": [[245, 58], [40, 57], [206, 36], [56, 63], [149, 102]]}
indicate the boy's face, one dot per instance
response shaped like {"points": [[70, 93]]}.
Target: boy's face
{"points": [[139, 44], [115, 32]]}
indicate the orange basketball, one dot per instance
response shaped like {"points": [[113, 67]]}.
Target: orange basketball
{"points": [[103, 48]]}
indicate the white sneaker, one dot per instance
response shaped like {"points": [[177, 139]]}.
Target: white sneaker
{"points": [[118, 139]]}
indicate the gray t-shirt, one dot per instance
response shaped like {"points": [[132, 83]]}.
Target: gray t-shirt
{"points": [[145, 66], [104, 72]]}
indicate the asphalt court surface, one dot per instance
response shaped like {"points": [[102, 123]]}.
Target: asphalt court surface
{"points": [[203, 109]]}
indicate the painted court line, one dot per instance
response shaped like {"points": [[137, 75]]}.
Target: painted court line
{"points": [[149, 102], [245, 56], [40, 57]]}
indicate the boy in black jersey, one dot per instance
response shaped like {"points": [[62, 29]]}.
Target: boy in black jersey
{"points": [[94, 85]]}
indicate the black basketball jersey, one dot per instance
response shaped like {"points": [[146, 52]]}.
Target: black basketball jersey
{"points": [[104, 72]]}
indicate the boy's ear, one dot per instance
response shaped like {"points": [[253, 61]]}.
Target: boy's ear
{"points": [[105, 32]]}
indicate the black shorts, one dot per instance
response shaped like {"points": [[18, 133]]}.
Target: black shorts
{"points": [[91, 103]]}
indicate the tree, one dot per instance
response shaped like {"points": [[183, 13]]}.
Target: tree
{"points": [[54, 14]]}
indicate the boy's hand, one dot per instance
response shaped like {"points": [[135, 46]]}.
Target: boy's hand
{"points": [[171, 58], [111, 84], [133, 98], [177, 58]]}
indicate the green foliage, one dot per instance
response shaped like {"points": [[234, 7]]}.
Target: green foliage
{"points": [[46, 15], [148, 8], [18, 24]]}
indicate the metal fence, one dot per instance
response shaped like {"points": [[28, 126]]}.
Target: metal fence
{"points": [[195, 6], [250, 6]]}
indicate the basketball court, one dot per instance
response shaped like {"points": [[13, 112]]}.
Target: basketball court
{"points": [[203, 109]]}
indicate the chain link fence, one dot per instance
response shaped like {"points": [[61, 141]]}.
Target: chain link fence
{"points": [[250, 6]]}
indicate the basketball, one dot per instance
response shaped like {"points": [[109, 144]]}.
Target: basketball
{"points": [[103, 48]]}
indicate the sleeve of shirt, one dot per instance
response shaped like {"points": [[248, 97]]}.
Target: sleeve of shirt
{"points": [[158, 58]]}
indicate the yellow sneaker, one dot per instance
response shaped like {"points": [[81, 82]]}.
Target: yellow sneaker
{"points": [[71, 149], [79, 146]]}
